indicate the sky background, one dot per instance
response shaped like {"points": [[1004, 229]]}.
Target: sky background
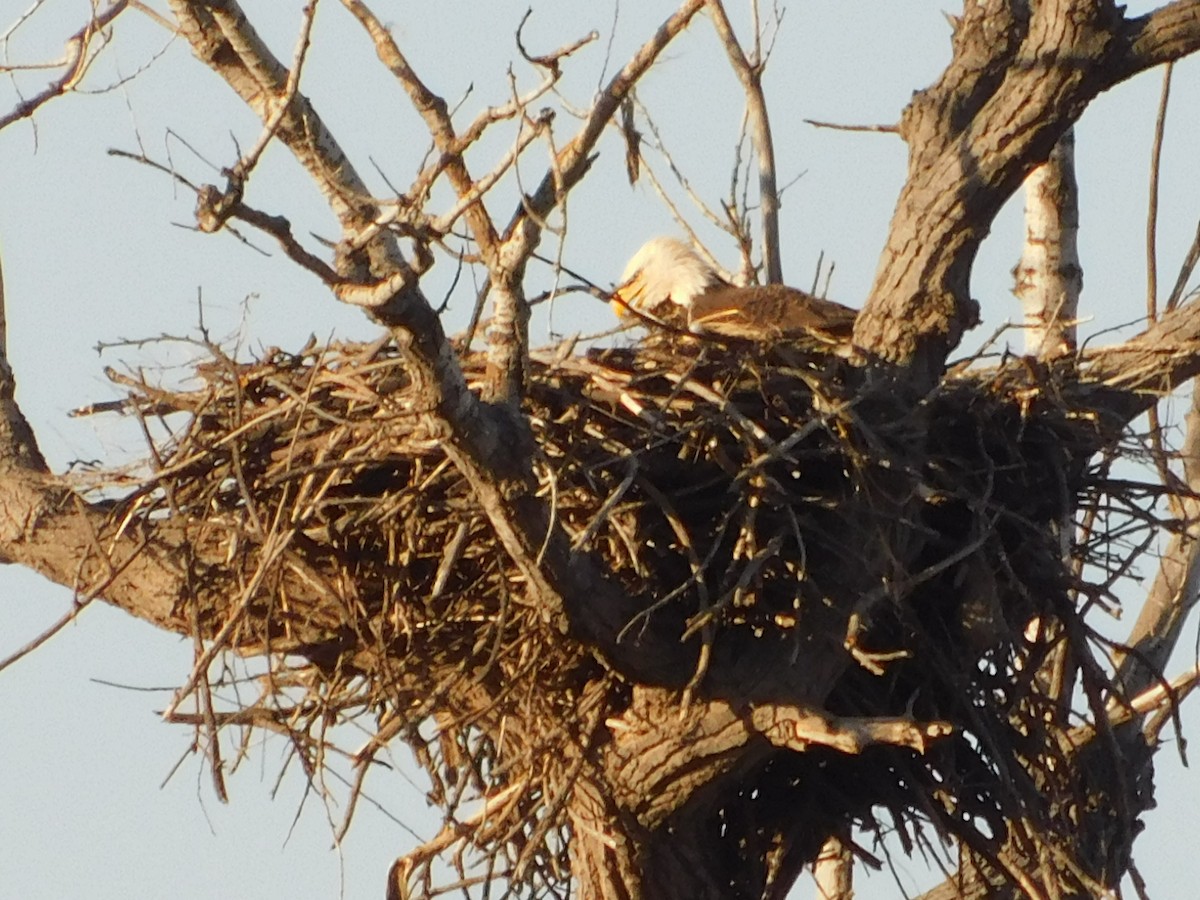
{"points": [[93, 252]]}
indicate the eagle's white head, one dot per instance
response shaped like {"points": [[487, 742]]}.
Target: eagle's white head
{"points": [[663, 270]]}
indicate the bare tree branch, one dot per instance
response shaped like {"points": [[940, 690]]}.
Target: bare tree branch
{"points": [[223, 39], [833, 872], [1168, 33], [1176, 589], [681, 614], [876, 129], [246, 164], [749, 72], [510, 327], [574, 159], [1150, 365], [1002, 80], [1161, 460], [80, 53], [1160, 126], [1049, 275]]}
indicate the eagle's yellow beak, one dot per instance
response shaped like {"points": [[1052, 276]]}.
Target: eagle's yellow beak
{"points": [[626, 296]]}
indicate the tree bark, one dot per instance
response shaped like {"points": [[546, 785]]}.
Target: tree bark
{"points": [[995, 114]]}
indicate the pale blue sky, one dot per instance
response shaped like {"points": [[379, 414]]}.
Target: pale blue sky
{"points": [[91, 253]]}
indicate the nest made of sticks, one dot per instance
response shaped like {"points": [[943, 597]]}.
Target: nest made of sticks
{"points": [[772, 504]]}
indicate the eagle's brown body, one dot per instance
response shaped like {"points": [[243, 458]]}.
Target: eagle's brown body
{"points": [[667, 281], [769, 312]]}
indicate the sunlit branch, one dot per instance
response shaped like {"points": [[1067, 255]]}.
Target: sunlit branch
{"points": [[575, 157], [281, 103], [1049, 275], [79, 54], [226, 42], [508, 337], [749, 73]]}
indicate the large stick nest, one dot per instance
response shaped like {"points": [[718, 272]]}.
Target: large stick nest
{"points": [[818, 538]]}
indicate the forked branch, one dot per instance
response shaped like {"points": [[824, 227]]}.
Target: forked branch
{"points": [[80, 52], [749, 71], [996, 112]]}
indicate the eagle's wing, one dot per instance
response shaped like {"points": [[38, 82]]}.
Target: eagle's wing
{"points": [[769, 312]]}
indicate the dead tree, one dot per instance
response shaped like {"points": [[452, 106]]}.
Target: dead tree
{"points": [[664, 621]]}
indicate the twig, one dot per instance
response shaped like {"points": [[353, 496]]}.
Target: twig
{"points": [[222, 37], [215, 207], [1176, 588], [1185, 272], [572, 162], [686, 185], [837, 126], [78, 606], [281, 229], [508, 338], [526, 136], [76, 60], [1160, 124]]}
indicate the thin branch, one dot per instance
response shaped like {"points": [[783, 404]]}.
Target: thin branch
{"points": [[682, 180], [574, 160], [508, 337], [246, 164], [63, 621], [224, 40], [1176, 588], [281, 229], [1160, 124], [77, 58], [1185, 272], [434, 111], [837, 126], [749, 72]]}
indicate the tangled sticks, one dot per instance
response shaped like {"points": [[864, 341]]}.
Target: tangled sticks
{"points": [[852, 578]]}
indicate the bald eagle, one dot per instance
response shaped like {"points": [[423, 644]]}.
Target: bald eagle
{"points": [[668, 281]]}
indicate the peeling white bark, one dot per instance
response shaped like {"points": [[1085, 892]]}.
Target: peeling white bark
{"points": [[1049, 276]]}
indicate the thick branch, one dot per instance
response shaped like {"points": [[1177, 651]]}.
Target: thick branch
{"points": [[1049, 276], [492, 447], [1168, 33], [509, 334], [224, 40], [1149, 366], [45, 527], [664, 754], [1015, 84]]}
